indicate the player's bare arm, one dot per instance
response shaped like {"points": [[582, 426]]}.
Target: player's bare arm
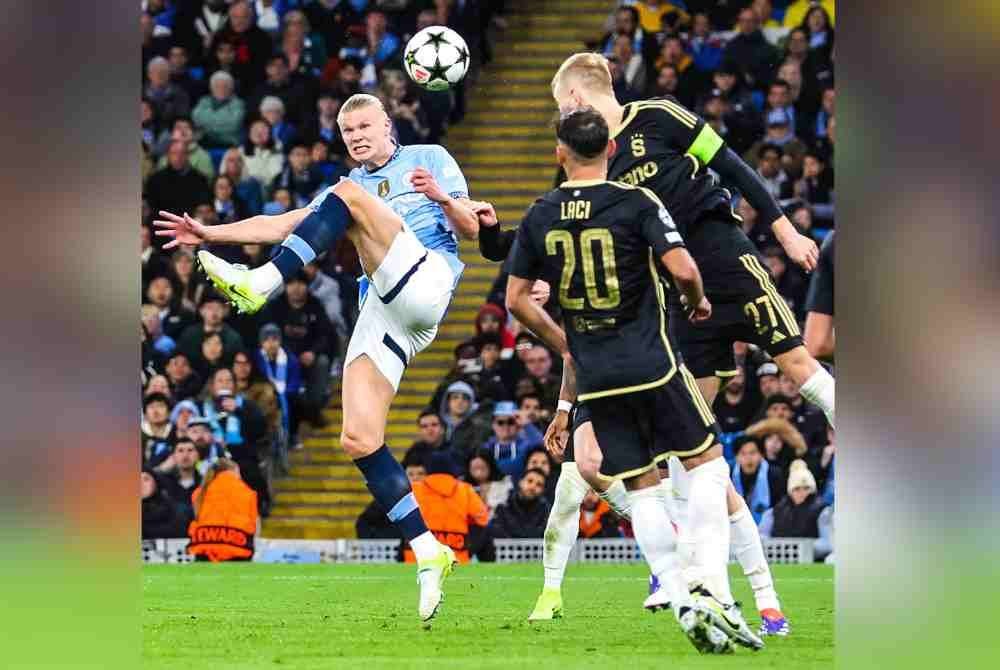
{"points": [[459, 211], [686, 276], [557, 433], [262, 229], [783, 429], [819, 335], [530, 313]]}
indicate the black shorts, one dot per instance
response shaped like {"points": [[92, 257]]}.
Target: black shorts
{"points": [[746, 306], [637, 430]]}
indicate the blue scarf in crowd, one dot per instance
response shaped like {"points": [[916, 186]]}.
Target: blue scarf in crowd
{"points": [[760, 498], [232, 435], [277, 374]]}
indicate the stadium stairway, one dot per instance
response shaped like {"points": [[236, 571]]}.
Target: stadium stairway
{"points": [[506, 149]]}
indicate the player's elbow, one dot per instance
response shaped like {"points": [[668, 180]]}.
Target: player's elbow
{"points": [[512, 303]]}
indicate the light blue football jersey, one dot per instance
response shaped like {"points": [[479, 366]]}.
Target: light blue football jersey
{"points": [[426, 218]]}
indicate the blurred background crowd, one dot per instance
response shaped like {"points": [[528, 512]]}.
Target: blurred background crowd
{"points": [[239, 106]]}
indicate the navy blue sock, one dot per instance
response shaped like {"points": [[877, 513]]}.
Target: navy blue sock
{"points": [[387, 481], [313, 236]]}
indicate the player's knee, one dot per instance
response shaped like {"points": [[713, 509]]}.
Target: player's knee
{"points": [[349, 191], [356, 443], [798, 364]]}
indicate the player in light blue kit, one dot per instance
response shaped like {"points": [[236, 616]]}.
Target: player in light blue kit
{"points": [[402, 209]]}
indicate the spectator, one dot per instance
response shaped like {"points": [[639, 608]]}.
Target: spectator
{"points": [[323, 125], [626, 23], [168, 99], [220, 114], [750, 51], [781, 440], [190, 286], [596, 518], [223, 59], [209, 448], [281, 202], [223, 503], [452, 509], [272, 110], [526, 511], [432, 441], [734, 408], [329, 293], [282, 370], [253, 385], [383, 46], [538, 459], [705, 47], [155, 429], [211, 18], [508, 448], [292, 91], [328, 165], [309, 336], [179, 477], [184, 382], [795, 13], [740, 115], [826, 111], [531, 415], [212, 311], [457, 406], [797, 46], [159, 516], [300, 176], [304, 50], [758, 482], [149, 123], [177, 187], [633, 67], [152, 45], [779, 96], [182, 129], [239, 424], [173, 318], [262, 155], [623, 92], [181, 415], [666, 83], [797, 514], [250, 43], [492, 318], [229, 207], [770, 170], [816, 189], [404, 109], [248, 189], [538, 364], [157, 384], [492, 485], [779, 133], [688, 80], [163, 345], [819, 27], [347, 80]]}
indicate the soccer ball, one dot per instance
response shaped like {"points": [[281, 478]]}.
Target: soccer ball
{"points": [[436, 58]]}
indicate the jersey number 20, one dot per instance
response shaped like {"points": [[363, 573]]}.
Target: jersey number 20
{"points": [[602, 236]]}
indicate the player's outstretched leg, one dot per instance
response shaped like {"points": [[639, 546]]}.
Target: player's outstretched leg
{"points": [[373, 226], [708, 547]]}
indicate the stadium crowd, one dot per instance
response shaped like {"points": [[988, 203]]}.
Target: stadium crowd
{"points": [[239, 118]]}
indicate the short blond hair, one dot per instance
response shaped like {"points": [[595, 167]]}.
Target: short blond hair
{"points": [[357, 101], [589, 69]]}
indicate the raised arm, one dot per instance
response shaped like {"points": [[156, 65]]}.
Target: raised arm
{"points": [[526, 310], [260, 229]]}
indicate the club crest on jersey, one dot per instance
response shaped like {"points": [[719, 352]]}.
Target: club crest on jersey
{"points": [[383, 188], [638, 144]]}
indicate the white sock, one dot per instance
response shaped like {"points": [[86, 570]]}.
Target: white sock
{"points": [[617, 498], [819, 390], [746, 544], [425, 546], [708, 518], [658, 542], [266, 279], [564, 524]]}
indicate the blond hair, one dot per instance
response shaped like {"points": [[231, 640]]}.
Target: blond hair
{"points": [[359, 100], [589, 69]]}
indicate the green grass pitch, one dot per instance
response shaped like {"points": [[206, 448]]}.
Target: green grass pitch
{"points": [[364, 617]]}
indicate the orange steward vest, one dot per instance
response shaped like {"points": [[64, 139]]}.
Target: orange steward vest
{"points": [[227, 521]]}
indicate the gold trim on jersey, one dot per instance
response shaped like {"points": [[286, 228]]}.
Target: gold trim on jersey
{"points": [[628, 473], [582, 182], [754, 267], [672, 108], [706, 444], [704, 411], [662, 302], [726, 373]]}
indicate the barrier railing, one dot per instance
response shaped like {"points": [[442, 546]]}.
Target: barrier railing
{"points": [[609, 550]]}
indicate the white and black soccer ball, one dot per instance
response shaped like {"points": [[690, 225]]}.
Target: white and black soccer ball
{"points": [[436, 58]]}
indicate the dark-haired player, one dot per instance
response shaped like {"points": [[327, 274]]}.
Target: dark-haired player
{"points": [[599, 244]]}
